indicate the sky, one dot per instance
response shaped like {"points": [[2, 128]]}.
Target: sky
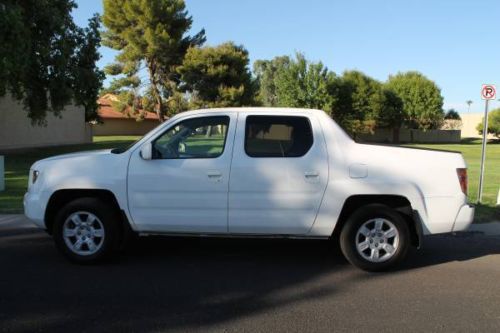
{"points": [[456, 43]]}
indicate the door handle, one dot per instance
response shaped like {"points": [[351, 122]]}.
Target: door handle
{"points": [[214, 175], [311, 174]]}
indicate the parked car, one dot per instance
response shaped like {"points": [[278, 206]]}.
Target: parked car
{"points": [[251, 172]]}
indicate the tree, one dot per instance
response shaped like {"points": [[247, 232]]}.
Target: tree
{"points": [[452, 120], [217, 76], [391, 114], [469, 103], [493, 123], [151, 35], [452, 114], [357, 102], [266, 72], [297, 82], [88, 77], [422, 99], [361, 104], [305, 84], [45, 56]]}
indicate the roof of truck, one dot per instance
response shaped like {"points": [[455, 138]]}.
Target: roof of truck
{"points": [[257, 109]]}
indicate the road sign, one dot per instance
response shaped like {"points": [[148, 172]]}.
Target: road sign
{"points": [[488, 92]]}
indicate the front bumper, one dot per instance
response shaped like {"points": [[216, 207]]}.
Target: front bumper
{"points": [[464, 218], [33, 209]]}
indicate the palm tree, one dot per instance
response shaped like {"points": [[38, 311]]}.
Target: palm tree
{"points": [[469, 102]]}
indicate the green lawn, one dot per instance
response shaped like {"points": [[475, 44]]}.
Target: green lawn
{"points": [[17, 165]]}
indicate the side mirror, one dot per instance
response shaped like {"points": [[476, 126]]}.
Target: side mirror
{"points": [[147, 151]]}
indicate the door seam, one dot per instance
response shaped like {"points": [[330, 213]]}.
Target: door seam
{"points": [[327, 177], [230, 168]]}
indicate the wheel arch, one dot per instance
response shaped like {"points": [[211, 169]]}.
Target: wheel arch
{"points": [[399, 203], [62, 197]]}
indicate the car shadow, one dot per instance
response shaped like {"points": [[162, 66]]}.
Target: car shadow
{"points": [[435, 250], [158, 282], [187, 283]]}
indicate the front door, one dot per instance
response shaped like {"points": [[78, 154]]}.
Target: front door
{"points": [[184, 188], [278, 175]]}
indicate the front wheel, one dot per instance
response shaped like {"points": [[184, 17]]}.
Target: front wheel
{"points": [[375, 238], [85, 230]]}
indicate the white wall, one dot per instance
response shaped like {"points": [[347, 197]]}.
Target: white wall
{"points": [[469, 123], [124, 127], [16, 130]]}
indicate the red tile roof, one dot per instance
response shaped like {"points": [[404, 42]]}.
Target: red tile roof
{"points": [[106, 110]]}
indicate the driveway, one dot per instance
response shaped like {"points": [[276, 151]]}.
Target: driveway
{"points": [[174, 284]]}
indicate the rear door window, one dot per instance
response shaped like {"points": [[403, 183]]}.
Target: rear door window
{"points": [[277, 136]]}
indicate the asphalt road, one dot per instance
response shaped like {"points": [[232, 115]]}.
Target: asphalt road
{"points": [[164, 284]]}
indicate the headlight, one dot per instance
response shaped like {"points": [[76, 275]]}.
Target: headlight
{"points": [[34, 176]]}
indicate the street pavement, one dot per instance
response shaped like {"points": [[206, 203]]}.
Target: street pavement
{"points": [[235, 285]]}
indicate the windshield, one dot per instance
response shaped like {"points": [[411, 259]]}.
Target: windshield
{"points": [[120, 150]]}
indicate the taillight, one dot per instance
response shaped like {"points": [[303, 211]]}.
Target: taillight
{"points": [[462, 178]]}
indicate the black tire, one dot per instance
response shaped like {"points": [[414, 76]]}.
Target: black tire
{"points": [[107, 216], [349, 234]]}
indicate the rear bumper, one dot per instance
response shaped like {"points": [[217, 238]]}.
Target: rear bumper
{"points": [[464, 218]]}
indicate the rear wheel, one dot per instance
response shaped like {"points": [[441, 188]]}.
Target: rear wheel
{"points": [[375, 238], [85, 230]]}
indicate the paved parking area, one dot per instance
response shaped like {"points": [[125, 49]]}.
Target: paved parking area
{"points": [[163, 284]]}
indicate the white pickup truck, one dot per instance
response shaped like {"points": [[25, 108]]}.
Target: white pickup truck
{"points": [[251, 172]]}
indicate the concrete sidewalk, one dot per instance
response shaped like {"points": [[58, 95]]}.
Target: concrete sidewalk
{"points": [[19, 221]]}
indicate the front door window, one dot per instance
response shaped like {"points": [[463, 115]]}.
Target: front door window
{"points": [[202, 137]]}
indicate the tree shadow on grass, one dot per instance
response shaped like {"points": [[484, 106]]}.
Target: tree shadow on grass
{"points": [[477, 141], [470, 141]]}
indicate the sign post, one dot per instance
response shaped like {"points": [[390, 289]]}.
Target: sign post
{"points": [[488, 92], [2, 177]]}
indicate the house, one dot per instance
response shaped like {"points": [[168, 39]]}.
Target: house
{"points": [[121, 123]]}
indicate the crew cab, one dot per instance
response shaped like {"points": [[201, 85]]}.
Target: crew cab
{"points": [[251, 172]]}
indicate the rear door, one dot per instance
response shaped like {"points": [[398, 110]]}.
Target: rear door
{"points": [[278, 175]]}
